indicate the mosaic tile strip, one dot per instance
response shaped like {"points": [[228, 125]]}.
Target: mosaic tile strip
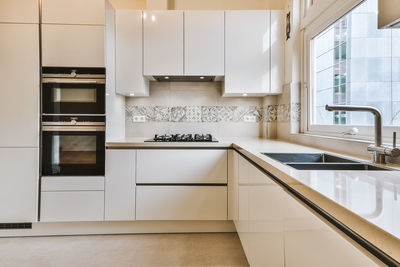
{"points": [[270, 113]]}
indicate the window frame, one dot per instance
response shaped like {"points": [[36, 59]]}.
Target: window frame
{"points": [[311, 28]]}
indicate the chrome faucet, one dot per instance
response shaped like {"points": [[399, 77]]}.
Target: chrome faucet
{"points": [[377, 149]]}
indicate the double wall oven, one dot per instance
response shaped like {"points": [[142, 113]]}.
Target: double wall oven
{"points": [[73, 121]]}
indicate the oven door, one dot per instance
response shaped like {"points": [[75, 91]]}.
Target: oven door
{"points": [[73, 96], [73, 150]]}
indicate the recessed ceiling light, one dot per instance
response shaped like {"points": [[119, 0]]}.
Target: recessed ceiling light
{"points": [[131, 94], [201, 78], [244, 94], [166, 77]]}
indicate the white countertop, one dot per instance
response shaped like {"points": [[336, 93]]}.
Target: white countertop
{"points": [[368, 202]]}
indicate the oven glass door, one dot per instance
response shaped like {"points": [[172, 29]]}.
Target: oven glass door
{"points": [[73, 98], [73, 153]]}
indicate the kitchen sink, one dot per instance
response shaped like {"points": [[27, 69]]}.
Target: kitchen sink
{"points": [[337, 166], [322, 161], [306, 157]]}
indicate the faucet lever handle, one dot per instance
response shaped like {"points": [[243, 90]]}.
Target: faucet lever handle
{"points": [[394, 139]]}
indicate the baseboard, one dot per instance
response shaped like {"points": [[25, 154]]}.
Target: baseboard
{"points": [[125, 227]]}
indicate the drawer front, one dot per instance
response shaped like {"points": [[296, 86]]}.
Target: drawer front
{"points": [[72, 206], [182, 166], [61, 183], [181, 203]]}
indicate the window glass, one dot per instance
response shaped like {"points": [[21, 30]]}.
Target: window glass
{"points": [[356, 64]]}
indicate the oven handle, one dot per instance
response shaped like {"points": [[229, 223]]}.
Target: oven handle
{"points": [[65, 80], [73, 128]]}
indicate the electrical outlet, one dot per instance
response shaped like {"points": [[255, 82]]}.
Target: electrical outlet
{"points": [[139, 118], [250, 118]]}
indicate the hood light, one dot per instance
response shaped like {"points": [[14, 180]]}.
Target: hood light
{"points": [[131, 94], [244, 94], [201, 78], [166, 77]]}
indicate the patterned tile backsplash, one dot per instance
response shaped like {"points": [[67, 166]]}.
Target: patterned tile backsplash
{"points": [[214, 114]]}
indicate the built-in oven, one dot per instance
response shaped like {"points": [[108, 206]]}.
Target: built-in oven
{"points": [[73, 145], [67, 90]]}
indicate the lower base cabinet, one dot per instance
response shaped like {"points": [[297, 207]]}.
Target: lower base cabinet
{"points": [[72, 199], [181, 203], [277, 230], [72, 206]]}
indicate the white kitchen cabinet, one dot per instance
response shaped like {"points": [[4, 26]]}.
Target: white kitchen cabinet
{"points": [[19, 11], [181, 166], [120, 185], [247, 52], [71, 183], [18, 184], [19, 76], [233, 185], [253, 52], [204, 43], [163, 42], [73, 11], [69, 206], [278, 18], [277, 230], [181, 202], [129, 54], [72, 45]]}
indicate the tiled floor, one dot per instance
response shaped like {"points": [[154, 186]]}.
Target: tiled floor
{"points": [[221, 249]]}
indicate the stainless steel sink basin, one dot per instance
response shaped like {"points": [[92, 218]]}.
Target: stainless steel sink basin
{"points": [[322, 161], [306, 157], [337, 166]]}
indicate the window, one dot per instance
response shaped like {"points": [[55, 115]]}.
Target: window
{"points": [[354, 63]]}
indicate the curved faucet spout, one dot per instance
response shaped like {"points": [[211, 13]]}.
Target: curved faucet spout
{"points": [[375, 111]]}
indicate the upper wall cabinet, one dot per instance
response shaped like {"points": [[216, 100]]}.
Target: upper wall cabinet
{"points": [[88, 12], [22, 11], [277, 50], [163, 42], [72, 45], [248, 52], [204, 43], [129, 54]]}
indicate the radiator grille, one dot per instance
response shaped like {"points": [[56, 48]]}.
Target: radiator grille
{"points": [[4, 226]]}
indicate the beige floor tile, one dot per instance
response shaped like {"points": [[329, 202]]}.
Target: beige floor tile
{"points": [[221, 249]]}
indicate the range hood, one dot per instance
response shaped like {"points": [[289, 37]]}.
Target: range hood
{"points": [[389, 14], [160, 78]]}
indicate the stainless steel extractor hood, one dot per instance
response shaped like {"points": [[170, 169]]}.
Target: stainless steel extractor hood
{"points": [[388, 14], [184, 78]]}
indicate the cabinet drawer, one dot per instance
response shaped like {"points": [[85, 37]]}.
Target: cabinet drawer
{"points": [[182, 166], [71, 183], [72, 206], [181, 203], [73, 45]]}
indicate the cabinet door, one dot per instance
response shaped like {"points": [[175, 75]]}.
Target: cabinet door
{"points": [[70, 206], [19, 169], [247, 52], [19, 76], [19, 11], [163, 42], [73, 11], [204, 43], [182, 166], [233, 185], [278, 18], [73, 45], [280, 231], [129, 54], [181, 203], [120, 185]]}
